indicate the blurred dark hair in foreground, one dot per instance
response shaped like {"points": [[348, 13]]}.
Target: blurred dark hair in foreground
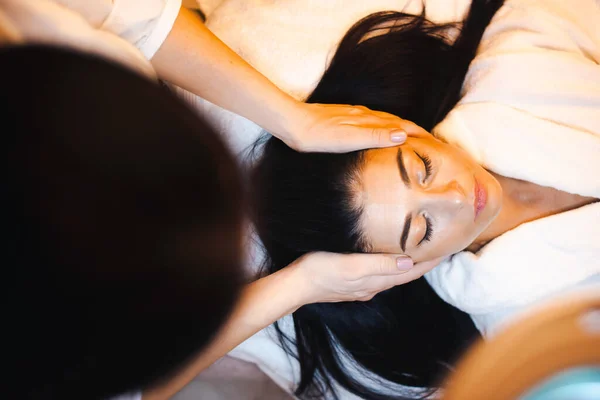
{"points": [[122, 216]]}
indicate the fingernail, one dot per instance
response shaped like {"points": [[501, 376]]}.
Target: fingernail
{"points": [[398, 136], [404, 263]]}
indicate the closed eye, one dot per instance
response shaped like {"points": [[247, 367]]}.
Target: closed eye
{"points": [[427, 164], [428, 231]]}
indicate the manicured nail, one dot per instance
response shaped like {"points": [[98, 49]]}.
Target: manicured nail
{"points": [[398, 136], [404, 263]]}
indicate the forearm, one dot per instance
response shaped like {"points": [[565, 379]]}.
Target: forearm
{"points": [[261, 303], [193, 58]]}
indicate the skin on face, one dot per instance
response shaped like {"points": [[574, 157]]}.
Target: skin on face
{"points": [[434, 215]]}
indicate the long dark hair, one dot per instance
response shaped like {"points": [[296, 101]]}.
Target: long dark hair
{"points": [[406, 335]]}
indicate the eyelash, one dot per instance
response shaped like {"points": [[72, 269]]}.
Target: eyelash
{"points": [[428, 172], [428, 165], [428, 231]]}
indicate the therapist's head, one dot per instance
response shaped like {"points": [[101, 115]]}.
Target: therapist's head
{"points": [[122, 228]]}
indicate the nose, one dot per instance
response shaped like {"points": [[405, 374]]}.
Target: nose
{"points": [[450, 197]]}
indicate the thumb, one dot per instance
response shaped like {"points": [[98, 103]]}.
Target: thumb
{"points": [[389, 264], [366, 137], [416, 272], [392, 135]]}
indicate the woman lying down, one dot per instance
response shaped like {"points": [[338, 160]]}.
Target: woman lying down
{"points": [[509, 182]]}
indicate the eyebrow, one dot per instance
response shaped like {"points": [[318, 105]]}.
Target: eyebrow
{"points": [[406, 180], [405, 231], [402, 168]]}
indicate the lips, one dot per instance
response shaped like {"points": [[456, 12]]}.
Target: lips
{"points": [[480, 198]]}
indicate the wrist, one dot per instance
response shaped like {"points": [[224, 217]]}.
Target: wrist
{"points": [[273, 297], [302, 282], [297, 285], [290, 115]]}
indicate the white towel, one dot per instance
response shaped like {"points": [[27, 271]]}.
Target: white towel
{"points": [[531, 111]]}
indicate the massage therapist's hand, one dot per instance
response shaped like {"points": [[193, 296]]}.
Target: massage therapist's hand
{"points": [[338, 128], [194, 59], [329, 277]]}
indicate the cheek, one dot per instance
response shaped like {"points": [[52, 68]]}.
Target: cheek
{"points": [[429, 253], [451, 159], [452, 166]]}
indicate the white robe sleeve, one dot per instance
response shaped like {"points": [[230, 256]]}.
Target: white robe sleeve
{"points": [[48, 23], [143, 23]]}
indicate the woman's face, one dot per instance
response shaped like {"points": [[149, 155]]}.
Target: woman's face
{"points": [[426, 198]]}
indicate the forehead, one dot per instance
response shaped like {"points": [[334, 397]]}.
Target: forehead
{"points": [[379, 173], [382, 198]]}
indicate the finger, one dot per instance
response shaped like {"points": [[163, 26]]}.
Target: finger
{"points": [[381, 283], [365, 265], [367, 137], [390, 264], [416, 272], [371, 121], [377, 284], [368, 118], [386, 137], [366, 298], [413, 129], [357, 110], [364, 116]]}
